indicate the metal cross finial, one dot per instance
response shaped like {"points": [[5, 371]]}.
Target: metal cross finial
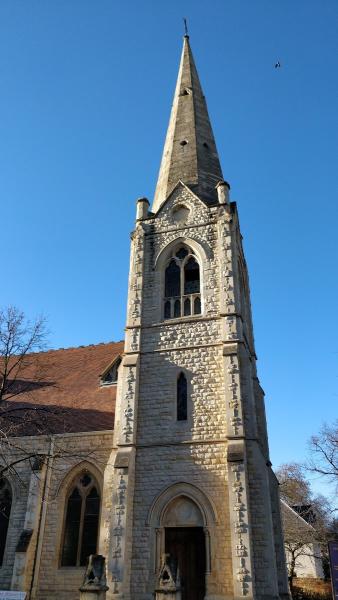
{"points": [[186, 34]]}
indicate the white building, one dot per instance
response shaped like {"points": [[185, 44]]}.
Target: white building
{"points": [[300, 544]]}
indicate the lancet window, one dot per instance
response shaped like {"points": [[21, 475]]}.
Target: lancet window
{"points": [[5, 511], [182, 397], [82, 521], [182, 294]]}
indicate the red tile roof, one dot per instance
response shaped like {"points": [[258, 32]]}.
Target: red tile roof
{"points": [[68, 397]]}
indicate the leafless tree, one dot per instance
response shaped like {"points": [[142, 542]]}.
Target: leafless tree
{"points": [[21, 372], [306, 518], [19, 338], [24, 371], [324, 453], [293, 486]]}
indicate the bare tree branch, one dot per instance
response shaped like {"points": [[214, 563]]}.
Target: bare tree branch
{"points": [[323, 458], [22, 372], [307, 518]]}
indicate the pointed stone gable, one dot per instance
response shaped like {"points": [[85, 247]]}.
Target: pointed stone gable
{"points": [[190, 153]]}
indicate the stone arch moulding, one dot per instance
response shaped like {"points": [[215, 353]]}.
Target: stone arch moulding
{"points": [[157, 512], [202, 251], [74, 471], [182, 512], [162, 501]]}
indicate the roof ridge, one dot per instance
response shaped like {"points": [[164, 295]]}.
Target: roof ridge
{"points": [[78, 347]]}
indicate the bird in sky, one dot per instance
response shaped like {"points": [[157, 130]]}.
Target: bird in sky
{"points": [[277, 65]]}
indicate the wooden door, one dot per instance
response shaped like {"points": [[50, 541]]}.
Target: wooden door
{"points": [[187, 546]]}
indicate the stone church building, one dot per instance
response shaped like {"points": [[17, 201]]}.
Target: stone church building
{"points": [[163, 448]]}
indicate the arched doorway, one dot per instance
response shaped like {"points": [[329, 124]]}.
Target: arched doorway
{"points": [[184, 540]]}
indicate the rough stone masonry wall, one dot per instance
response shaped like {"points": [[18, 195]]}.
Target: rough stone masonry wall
{"points": [[201, 227], [283, 585], [192, 451], [157, 404], [267, 538], [219, 363], [90, 450], [86, 450], [264, 553], [20, 483], [156, 469]]}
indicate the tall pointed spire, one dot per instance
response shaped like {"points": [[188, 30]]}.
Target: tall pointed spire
{"points": [[190, 153]]}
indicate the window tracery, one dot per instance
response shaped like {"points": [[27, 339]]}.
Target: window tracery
{"points": [[182, 293], [81, 522]]}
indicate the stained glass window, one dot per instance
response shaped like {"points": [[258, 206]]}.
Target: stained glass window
{"points": [[172, 280], [197, 306], [82, 522], [187, 307], [177, 308], [90, 525], [191, 277], [167, 307], [72, 529]]}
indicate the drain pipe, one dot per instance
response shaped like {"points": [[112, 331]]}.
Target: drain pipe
{"points": [[42, 522]]}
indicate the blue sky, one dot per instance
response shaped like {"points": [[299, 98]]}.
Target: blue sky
{"points": [[86, 89]]}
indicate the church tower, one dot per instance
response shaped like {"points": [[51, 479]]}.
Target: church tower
{"points": [[193, 477]]}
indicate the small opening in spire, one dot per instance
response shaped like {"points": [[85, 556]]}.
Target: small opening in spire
{"points": [[183, 143], [206, 145]]}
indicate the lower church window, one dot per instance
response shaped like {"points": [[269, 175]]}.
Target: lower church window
{"points": [[82, 522], [5, 510]]}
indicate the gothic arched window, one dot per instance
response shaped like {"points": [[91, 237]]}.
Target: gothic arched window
{"points": [[5, 510], [182, 294], [81, 522], [182, 397]]}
